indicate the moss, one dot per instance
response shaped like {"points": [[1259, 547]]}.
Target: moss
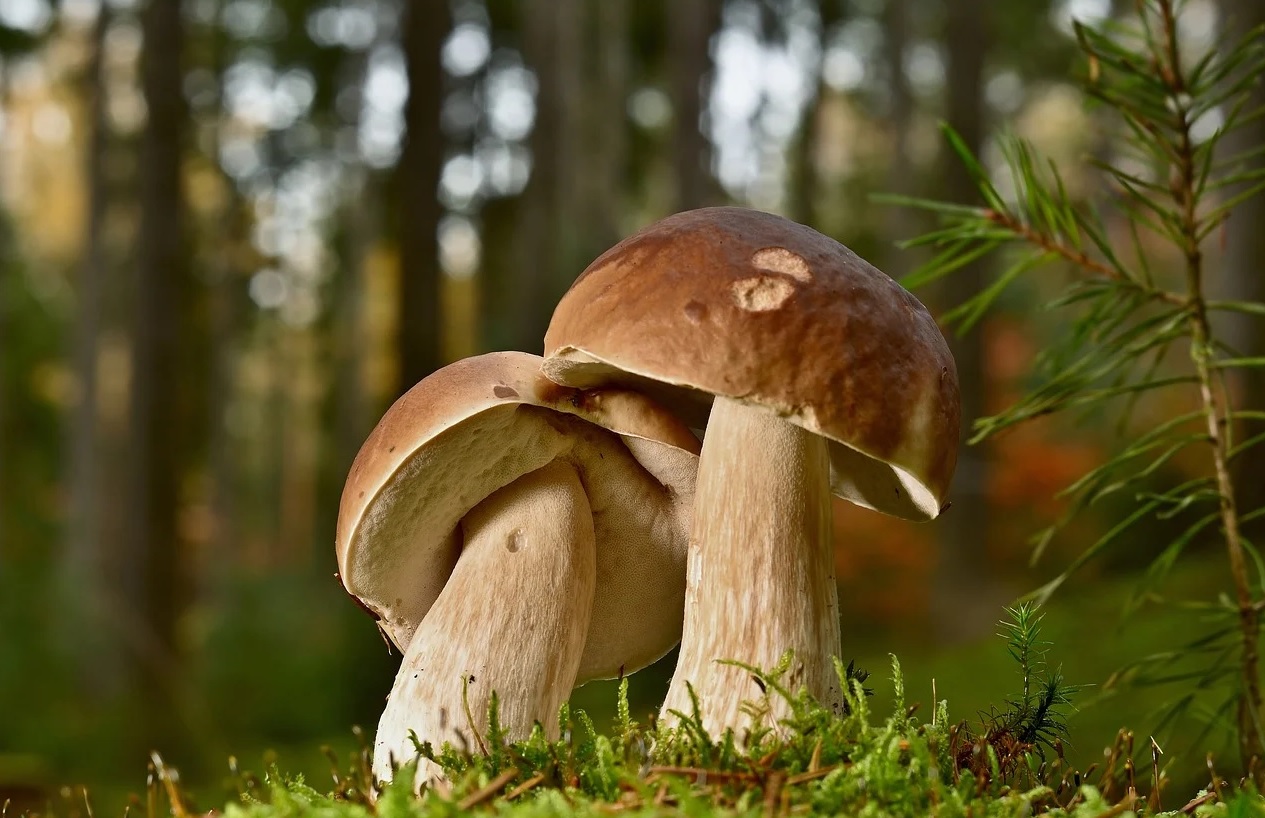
{"points": [[1008, 762], [823, 764]]}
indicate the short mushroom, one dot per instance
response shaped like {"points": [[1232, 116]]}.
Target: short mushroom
{"points": [[815, 374], [514, 536]]}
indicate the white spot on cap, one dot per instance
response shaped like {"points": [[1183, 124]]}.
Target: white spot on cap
{"points": [[781, 260], [762, 293]]}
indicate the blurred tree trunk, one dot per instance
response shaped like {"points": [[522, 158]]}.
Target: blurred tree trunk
{"points": [[354, 409], [222, 552], [299, 439], [502, 273], [222, 555], [535, 245], [804, 190], [550, 45], [159, 416], [572, 21], [1243, 279], [83, 559], [6, 287], [606, 98], [900, 177], [964, 604], [691, 24], [358, 228], [425, 26], [501, 270], [276, 386]]}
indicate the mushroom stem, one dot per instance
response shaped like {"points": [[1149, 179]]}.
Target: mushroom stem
{"points": [[760, 572], [511, 619]]}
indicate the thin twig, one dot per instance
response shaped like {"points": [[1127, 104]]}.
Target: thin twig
{"points": [[1202, 347], [488, 790], [1121, 808], [822, 772], [465, 704], [1076, 257], [1197, 802], [698, 772], [525, 786], [772, 794]]}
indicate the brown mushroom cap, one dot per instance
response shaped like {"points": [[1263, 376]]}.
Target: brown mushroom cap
{"points": [[743, 304], [478, 425]]}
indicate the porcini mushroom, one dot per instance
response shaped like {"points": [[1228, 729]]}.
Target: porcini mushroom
{"points": [[815, 374], [514, 536]]}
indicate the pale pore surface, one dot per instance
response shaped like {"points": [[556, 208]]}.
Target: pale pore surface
{"points": [[430, 494], [855, 476], [512, 618], [760, 577]]}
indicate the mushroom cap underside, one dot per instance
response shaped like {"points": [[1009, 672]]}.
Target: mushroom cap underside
{"points": [[478, 425], [750, 306]]}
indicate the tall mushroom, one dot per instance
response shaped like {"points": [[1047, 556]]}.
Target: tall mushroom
{"points": [[514, 536], [814, 373]]}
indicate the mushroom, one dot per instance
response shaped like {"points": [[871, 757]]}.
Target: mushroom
{"points": [[815, 374], [515, 536]]}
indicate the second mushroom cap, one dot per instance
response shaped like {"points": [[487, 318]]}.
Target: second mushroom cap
{"points": [[476, 426]]}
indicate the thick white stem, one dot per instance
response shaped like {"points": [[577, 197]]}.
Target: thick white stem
{"points": [[511, 619], [760, 574]]}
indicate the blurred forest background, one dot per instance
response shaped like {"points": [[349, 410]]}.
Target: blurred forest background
{"points": [[232, 231]]}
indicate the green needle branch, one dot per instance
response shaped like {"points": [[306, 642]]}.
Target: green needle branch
{"points": [[1133, 301]]}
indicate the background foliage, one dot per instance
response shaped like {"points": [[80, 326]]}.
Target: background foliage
{"points": [[234, 230]]}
